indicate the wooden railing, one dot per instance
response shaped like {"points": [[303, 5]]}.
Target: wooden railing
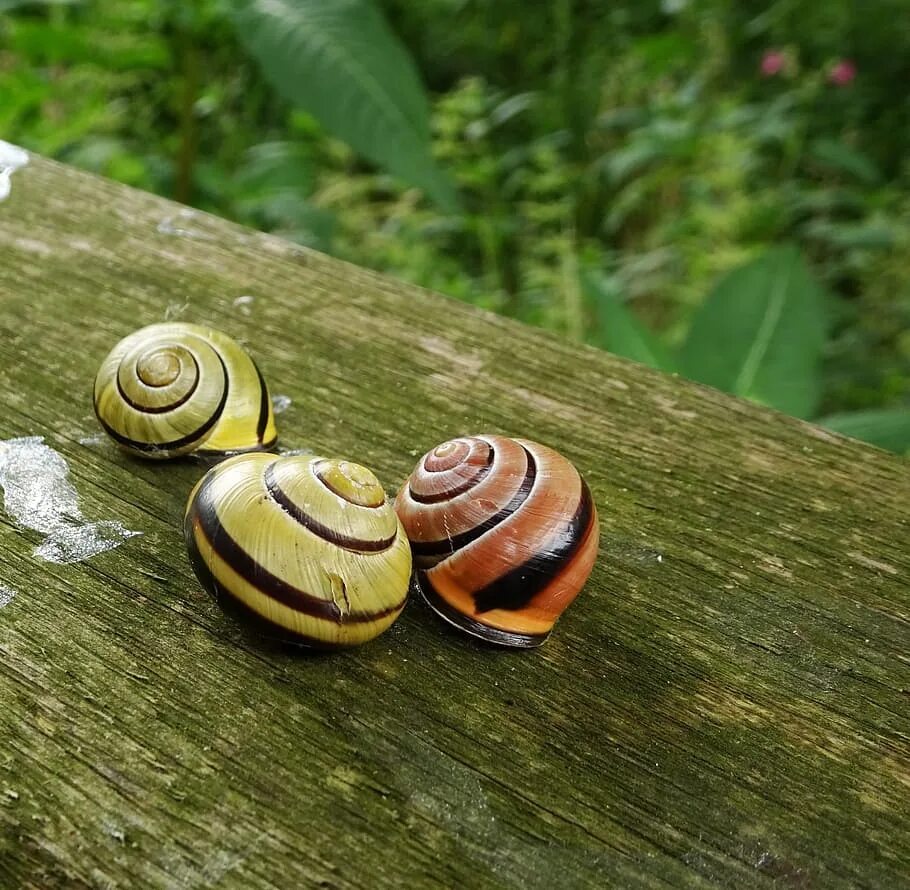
{"points": [[725, 705]]}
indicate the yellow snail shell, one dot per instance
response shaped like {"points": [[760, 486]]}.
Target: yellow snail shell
{"points": [[172, 388], [306, 548]]}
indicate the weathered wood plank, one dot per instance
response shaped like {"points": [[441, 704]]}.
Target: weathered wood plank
{"points": [[726, 705]]}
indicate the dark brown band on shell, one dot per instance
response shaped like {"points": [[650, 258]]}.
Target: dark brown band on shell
{"points": [[344, 495], [183, 442], [519, 586], [204, 516], [161, 409], [265, 406], [317, 528], [457, 542], [471, 625], [448, 455], [469, 483], [241, 611]]}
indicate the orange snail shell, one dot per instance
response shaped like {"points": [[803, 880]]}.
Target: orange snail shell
{"points": [[504, 535]]}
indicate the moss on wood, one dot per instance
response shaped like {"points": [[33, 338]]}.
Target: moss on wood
{"points": [[725, 706]]}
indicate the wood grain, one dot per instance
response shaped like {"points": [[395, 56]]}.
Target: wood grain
{"points": [[726, 705]]}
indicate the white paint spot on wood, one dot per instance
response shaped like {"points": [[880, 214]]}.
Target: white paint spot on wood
{"points": [[12, 158], [93, 441], [6, 596], [176, 310], [78, 542], [115, 832], [178, 224], [281, 403], [38, 494], [245, 304]]}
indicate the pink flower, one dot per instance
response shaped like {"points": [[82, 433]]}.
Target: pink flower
{"points": [[842, 73], [772, 63]]}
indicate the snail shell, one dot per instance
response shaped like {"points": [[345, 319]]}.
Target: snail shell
{"points": [[172, 388], [504, 535], [307, 548]]}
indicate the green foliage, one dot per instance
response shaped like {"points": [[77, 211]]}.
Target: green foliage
{"points": [[889, 429], [839, 158], [616, 162], [760, 334], [618, 330], [10, 5], [341, 62]]}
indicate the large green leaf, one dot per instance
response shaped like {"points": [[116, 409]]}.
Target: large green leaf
{"points": [[888, 428], [616, 327], [760, 334], [339, 61]]}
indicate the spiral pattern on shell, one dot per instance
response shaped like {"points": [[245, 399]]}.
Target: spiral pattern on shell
{"points": [[168, 389], [306, 548], [504, 535]]}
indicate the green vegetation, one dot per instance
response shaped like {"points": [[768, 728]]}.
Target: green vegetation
{"points": [[716, 187]]}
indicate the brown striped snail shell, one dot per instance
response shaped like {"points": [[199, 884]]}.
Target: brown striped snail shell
{"points": [[308, 549], [171, 388], [504, 535]]}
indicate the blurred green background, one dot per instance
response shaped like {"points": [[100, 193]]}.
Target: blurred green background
{"points": [[715, 187]]}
